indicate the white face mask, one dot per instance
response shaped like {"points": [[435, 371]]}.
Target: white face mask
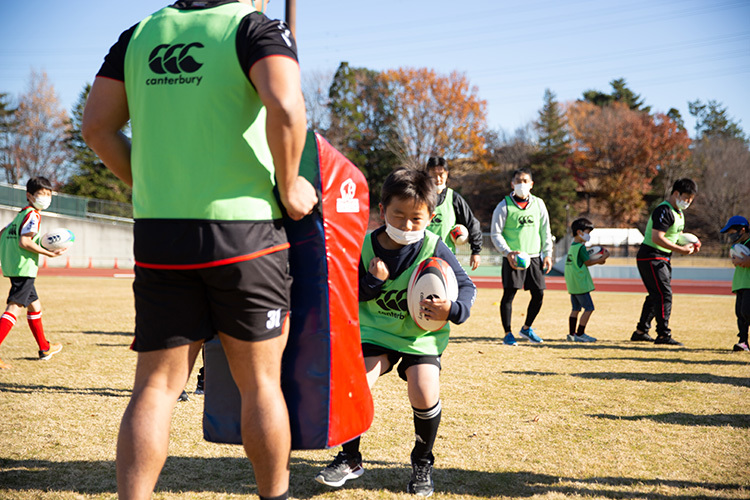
{"points": [[522, 189], [440, 187], [41, 202], [682, 204], [403, 237], [585, 237]]}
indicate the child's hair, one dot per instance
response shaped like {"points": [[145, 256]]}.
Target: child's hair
{"points": [[409, 184], [37, 183], [519, 171], [437, 161], [581, 224], [685, 186]]}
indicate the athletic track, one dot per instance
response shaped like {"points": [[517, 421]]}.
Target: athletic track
{"points": [[553, 282]]}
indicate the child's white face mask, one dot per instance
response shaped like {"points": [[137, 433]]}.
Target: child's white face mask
{"points": [[41, 202], [403, 237], [585, 236]]}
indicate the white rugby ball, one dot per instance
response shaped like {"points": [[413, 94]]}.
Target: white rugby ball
{"points": [[688, 238], [523, 260], [596, 253], [459, 234], [433, 278], [739, 250], [58, 239]]}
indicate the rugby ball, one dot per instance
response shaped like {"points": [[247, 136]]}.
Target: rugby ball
{"points": [[523, 260], [596, 253], [58, 239], [433, 278], [739, 250], [689, 239], [459, 234]]}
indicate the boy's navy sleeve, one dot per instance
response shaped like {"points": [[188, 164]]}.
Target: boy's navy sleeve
{"points": [[369, 285], [467, 292]]}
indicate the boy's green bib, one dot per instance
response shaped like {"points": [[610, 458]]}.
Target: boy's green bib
{"points": [[199, 141], [741, 278], [521, 231], [16, 261], [577, 275], [671, 234], [385, 321], [444, 220]]}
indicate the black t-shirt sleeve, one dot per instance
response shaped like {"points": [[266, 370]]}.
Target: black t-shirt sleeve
{"points": [[662, 218], [114, 62], [259, 37]]}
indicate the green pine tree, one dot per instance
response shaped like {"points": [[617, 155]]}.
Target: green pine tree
{"points": [[553, 180], [91, 178]]}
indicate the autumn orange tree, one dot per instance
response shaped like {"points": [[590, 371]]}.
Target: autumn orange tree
{"points": [[617, 152], [435, 115], [37, 145]]}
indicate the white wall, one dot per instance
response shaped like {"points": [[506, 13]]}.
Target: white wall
{"points": [[98, 243]]}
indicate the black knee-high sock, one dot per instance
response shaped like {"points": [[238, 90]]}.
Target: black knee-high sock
{"points": [[426, 423], [572, 324], [352, 447], [506, 308], [535, 305]]}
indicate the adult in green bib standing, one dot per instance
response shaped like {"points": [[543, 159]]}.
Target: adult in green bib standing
{"points": [[451, 210], [212, 91], [654, 260], [520, 223]]}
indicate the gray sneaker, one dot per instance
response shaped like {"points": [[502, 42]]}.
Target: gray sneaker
{"points": [[584, 338], [341, 469], [421, 480]]}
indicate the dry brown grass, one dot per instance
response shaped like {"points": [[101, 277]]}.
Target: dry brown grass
{"points": [[557, 421]]}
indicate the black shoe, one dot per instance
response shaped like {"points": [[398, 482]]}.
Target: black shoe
{"points": [[341, 469], [666, 340], [183, 396], [641, 337], [421, 479], [740, 347]]}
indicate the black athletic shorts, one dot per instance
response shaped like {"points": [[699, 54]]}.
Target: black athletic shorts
{"points": [[22, 291], [407, 360], [531, 278], [248, 300]]}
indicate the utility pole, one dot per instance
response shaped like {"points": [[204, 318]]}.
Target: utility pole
{"points": [[291, 16]]}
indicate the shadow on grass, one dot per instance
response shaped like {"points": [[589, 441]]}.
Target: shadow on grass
{"points": [[741, 420], [584, 346], [126, 334], [194, 475], [716, 362], [87, 391], [704, 378]]}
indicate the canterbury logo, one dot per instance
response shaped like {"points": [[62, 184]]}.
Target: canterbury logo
{"points": [[526, 219], [395, 300], [436, 220], [174, 59]]}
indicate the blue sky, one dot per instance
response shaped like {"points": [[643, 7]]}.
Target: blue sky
{"points": [[669, 51]]}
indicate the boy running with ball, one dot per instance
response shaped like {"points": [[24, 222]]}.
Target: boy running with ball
{"points": [[390, 337], [578, 279]]}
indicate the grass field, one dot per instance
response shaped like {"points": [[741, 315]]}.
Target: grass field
{"points": [[611, 420]]}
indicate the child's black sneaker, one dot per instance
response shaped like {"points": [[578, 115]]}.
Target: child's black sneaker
{"points": [[641, 337], [666, 340], [341, 469], [421, 479]]}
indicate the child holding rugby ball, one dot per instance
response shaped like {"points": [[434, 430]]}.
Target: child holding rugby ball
{"points": [[578, 279], [737, 230], [389, 335]]}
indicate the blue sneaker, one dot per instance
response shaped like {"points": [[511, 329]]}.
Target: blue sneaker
{"points": [[530, 335], [509, 339]]}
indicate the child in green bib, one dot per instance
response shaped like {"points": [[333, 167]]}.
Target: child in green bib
{"points": [[737, 230], [578, 279], [389, 335], [19, 254]]}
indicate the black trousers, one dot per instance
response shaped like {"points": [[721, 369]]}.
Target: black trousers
{"points": [[742, 310], [657, 278]]}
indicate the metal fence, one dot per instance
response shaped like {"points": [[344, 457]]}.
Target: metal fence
{"points": [[75, 206]]}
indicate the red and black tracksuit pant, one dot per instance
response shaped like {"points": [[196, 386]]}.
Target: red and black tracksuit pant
{"points": [[656, 273]]}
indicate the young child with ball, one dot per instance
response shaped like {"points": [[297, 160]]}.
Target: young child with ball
{"points": [[578, 279], [19, 254], [389, 335], [737, 230]]}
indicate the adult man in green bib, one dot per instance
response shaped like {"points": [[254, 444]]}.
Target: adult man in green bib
{"points": [[212, 89], [654, 260]]}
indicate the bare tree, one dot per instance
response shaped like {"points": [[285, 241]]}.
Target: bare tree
{"points": [[38, 142], [315, 85], [7, 128]]}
